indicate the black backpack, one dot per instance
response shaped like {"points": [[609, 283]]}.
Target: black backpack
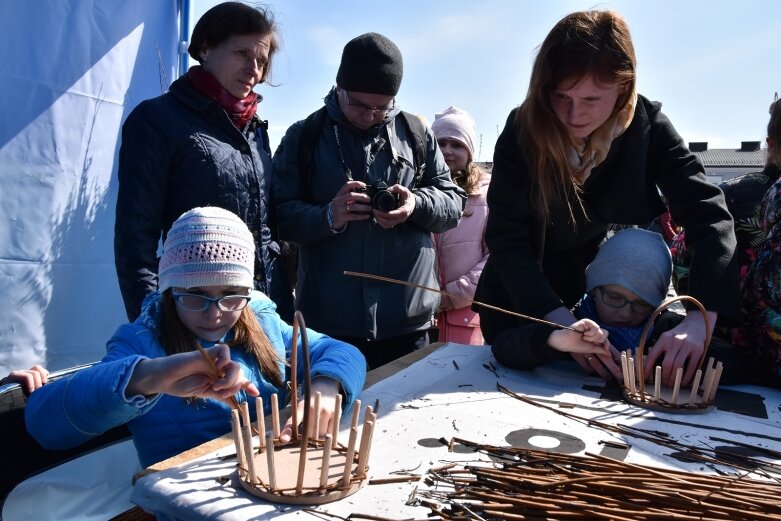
{"points": [[311, 131]]}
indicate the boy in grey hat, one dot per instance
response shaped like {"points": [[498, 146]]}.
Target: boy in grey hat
{"points": [[627, 280]]}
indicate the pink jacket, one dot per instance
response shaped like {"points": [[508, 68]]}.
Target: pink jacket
{"points": [[462, 253]]}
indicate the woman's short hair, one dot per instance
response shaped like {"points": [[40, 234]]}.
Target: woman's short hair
{"points": [[229, 19]]}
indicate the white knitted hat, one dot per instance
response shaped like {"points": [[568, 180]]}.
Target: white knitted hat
{"points": [[207, 247], [454, 123]]}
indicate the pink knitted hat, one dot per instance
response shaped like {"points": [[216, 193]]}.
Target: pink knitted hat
{"points": [[454, 123], [207, 247]]}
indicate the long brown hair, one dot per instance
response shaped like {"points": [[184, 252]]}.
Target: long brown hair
{"points": [[595, 43], [468, 179], [176, 338]]}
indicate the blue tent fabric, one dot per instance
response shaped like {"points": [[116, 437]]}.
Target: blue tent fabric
{"points": [[77, 70]]}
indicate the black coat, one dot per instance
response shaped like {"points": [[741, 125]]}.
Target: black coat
{"points": [[180, 151], [621, 190]]}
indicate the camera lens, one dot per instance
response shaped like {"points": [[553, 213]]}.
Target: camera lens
{"points": [[384, 201]]}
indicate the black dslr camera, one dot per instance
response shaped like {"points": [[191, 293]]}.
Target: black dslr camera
{"points": [[382, 199]]}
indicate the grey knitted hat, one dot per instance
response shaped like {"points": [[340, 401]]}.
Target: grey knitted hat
{"points": [[636, 259], [371, 63]]}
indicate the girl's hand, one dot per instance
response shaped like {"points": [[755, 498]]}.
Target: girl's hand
{"points": [[328, 389], [189, 374]]}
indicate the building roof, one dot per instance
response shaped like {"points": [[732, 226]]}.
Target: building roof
{"points": [[713, 158], [729, 157]]}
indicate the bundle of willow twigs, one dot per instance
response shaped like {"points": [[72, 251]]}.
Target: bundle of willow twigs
{"points": [[528, 484]]}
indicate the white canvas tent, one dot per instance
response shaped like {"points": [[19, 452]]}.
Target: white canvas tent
{"points": [[70, 72]]}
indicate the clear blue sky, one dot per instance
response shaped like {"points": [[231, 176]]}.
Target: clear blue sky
{"points": [[714, 64]]}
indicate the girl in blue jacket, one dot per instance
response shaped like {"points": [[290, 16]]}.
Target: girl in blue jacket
{"points": [[154, 379]]}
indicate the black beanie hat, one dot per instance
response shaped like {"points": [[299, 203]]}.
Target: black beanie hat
{"points": [[371, 63]]}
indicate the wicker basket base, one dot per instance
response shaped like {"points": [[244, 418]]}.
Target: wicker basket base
{"points": [[664, 402], [286, 472]]}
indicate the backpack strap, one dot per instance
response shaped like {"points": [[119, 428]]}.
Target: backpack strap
{"points": [[418, 131], [307, 141]]}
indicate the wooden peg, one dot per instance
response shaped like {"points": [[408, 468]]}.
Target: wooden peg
{"points": [[373, 420], [363, 452], [252, 475], [632, 382], [237, 440], [326, 461], [315, 434], [260, 417], [272, 476], [348, 462], [275, 415], [708, 386], [715, 384], [708, 376], [336, 419], [356, 413], [625, 368], [695, 387], [657, 382], [244, 411], [677, 385]]}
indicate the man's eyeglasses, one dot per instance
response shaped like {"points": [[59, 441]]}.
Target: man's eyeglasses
{"points": [[376, 111], [618, 301], [192, 302]]}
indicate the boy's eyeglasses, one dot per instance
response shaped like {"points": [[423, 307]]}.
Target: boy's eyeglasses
{"points": [[618, 301], [192, 302], [376, 111]]}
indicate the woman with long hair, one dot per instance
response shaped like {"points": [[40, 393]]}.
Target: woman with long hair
{"points": [[585, 151]]}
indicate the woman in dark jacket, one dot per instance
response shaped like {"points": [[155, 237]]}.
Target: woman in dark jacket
{"points": [[201, 144], [582, 152]]}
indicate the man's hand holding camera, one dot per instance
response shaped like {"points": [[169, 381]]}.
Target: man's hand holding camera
{"points": [[406, 205], [356, 201], [350, 204]]}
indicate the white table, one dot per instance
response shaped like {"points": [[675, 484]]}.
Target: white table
{"points": [[452, 393]]}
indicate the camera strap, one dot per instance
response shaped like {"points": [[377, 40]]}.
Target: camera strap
{"points": [[347, 170], [374, 150]]}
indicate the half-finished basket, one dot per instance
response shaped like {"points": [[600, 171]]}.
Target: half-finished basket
{"points": [[307, 470], [695, 399]]}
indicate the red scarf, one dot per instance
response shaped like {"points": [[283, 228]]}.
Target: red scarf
{"points": [[239, 110]]}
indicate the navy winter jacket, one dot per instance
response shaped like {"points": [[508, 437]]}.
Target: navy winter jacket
{"points": [[180, 151]]}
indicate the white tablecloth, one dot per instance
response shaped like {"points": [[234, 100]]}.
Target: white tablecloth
{"points": [[437, 398]]}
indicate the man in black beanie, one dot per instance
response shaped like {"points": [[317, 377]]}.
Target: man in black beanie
{"points": [[360, 186]]}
